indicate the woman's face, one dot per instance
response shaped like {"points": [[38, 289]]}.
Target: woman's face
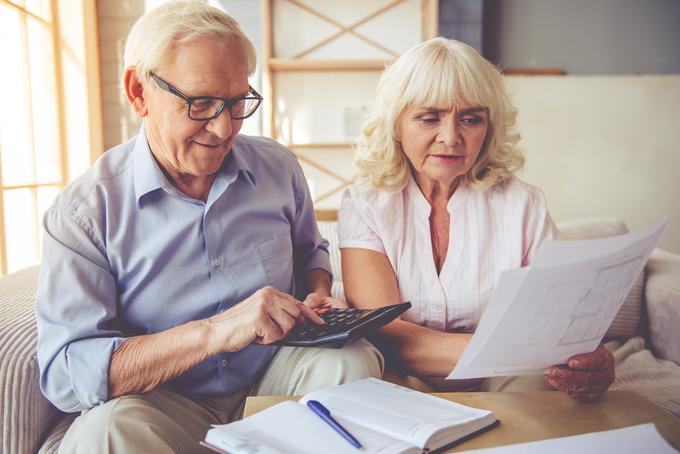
{"points": [[442, 144]]}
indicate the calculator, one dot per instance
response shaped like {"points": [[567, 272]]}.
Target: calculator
{"points": [[342, 326]]}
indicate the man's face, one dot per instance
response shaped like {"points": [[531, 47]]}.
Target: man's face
{"points": [[206, 66]]}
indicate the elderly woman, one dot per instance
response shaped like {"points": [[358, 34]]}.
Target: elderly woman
{"points": [[436, 214]]}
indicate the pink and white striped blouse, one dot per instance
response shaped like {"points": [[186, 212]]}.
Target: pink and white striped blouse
{"points": [[490, 232]]}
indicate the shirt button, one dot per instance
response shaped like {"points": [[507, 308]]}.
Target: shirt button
{"points": [[224, 363], [216, 263]]}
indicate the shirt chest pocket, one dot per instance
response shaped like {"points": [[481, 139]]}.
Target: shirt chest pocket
{"points": [[276, 255]]}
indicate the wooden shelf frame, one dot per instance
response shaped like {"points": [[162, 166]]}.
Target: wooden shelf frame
{"points": [[533, 72], [301, 62], [321, 145], [290, 64]]}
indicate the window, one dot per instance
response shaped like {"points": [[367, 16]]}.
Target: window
{"points": [[45, 69]]}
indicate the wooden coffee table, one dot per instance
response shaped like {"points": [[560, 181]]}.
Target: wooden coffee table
{"points": [[538, 415]]}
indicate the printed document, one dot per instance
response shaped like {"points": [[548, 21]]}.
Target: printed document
{"points": [[561, 305], [629, 440]]}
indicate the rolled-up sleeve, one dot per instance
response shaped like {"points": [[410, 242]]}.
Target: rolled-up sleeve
{"points": [[76, 304], [310, 250]]}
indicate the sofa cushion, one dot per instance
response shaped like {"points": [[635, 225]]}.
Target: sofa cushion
{"points": [[627, 321], [329, 230], [585, 229], [662, 299], [638, 370], [26, 414]]}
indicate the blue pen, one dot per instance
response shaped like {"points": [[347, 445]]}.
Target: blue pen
{"points": [[325, 414]]}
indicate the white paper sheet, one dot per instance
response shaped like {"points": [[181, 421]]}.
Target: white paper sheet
{"points": [[629, 440], [560, 306]]}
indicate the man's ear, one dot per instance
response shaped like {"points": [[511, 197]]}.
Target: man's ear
{"points": [[134, 91]]}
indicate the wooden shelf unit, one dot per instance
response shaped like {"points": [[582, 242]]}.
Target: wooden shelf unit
{"points": [[301, 61]]}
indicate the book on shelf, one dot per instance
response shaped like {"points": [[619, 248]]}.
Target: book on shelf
{"points": [[382, 416]]}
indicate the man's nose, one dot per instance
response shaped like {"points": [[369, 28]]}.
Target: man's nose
{"points": [[221, 125], [449, 131]]}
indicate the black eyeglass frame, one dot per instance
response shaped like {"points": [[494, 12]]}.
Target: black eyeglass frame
{"points": [[228, 103]]}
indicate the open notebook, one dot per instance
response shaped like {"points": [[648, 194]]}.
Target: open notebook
{"points": [[384, 417]]}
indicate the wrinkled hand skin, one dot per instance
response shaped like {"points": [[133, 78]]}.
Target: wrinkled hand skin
{"points": [[585, 377]]}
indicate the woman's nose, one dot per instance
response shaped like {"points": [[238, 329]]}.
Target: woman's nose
{"points": [[449, 131]]}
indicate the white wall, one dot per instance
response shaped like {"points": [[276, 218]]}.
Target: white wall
{"points": [[604, 146]]}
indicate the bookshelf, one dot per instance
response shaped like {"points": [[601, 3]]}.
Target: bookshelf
{"points": [[322, 61]]}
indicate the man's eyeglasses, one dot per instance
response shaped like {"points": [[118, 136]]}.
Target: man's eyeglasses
{"points": [[204, 108]]}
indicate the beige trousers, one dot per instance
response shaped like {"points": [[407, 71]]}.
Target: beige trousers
{"points": [[165, 421]]}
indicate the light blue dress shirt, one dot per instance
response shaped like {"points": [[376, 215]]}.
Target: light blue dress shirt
{"points": [[126, 253]]}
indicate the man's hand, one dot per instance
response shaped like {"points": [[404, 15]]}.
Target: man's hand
{"points": [[585, 377], [266, 316]]}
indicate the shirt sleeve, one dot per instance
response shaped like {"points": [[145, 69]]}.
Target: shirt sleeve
{"points": [[310, 250], [75, 308], [355, 229], [539, 226]]}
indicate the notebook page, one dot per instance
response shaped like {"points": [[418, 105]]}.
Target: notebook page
{"points": [[291, 427], [396, 411]]}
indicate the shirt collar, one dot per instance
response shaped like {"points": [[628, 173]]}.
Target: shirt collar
{"points": [[236, 162], [416, 195], [148, 176]]}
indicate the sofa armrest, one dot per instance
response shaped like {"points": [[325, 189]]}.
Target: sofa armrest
{"points": [[662, 304], [26, 414]]}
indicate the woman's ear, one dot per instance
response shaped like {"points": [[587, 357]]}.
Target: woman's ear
{"points": [[134, 91]]}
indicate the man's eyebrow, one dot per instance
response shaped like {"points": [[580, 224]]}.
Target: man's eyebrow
{"points": [[208, 95]]}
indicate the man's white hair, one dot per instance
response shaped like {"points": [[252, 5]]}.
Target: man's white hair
{"points": [[152, 40]]}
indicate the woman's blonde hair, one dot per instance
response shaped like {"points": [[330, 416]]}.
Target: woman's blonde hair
{"points": [[151, 42], [438, 72]]}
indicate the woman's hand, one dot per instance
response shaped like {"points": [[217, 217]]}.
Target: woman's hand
{"points": [[314, 301], [585, 377]]}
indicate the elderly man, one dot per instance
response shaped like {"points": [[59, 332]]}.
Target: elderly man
{"points": [[168, 267]]}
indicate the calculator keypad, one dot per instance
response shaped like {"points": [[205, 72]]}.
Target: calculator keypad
{"points": [[337, 320], [342, 325]]}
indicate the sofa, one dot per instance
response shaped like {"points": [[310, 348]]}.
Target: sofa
{"points": [[645, 341]]}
